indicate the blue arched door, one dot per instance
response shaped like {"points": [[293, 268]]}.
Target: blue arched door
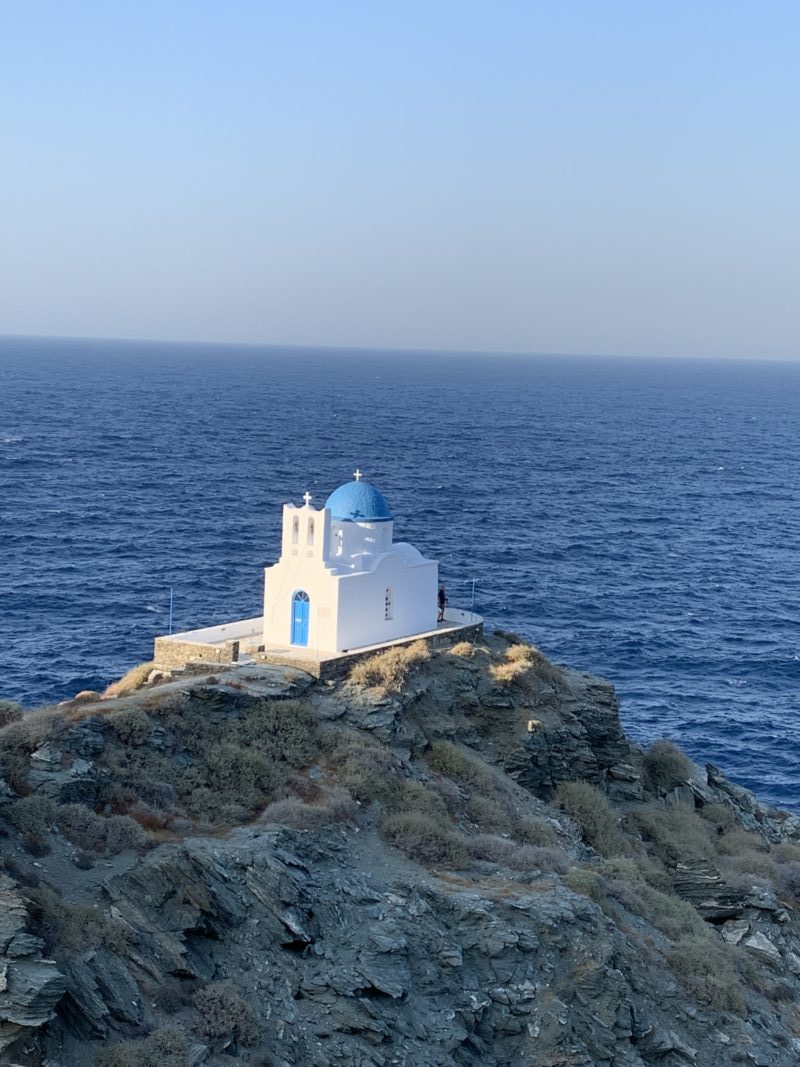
{"points": [[300, 606]]}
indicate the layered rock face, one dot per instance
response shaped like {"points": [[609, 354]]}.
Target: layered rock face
{"points": [[422, 888]]}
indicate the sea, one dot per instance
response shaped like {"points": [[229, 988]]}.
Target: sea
{"points": [[635, 518]]}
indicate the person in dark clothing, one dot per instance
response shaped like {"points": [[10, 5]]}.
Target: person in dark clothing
{"points": [[442, 599]]}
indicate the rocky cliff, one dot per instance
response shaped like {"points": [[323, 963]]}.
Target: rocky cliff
{"points": [[451, 858]]}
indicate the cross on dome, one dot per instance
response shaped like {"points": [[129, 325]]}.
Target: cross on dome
{"points": [[357, 475], [307, 497]]}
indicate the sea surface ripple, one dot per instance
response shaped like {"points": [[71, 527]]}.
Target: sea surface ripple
{"points": [[639, 519]]}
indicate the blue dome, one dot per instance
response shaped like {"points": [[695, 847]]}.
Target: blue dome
{"points": [[358, 502]]}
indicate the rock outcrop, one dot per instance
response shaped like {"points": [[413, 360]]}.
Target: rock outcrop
{"points": [[327, 930]]}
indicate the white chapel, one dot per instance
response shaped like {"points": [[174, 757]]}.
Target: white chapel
{"points": [[342, 582]]}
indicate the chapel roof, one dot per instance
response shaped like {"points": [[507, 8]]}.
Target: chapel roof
{"points": [[358, 501]]}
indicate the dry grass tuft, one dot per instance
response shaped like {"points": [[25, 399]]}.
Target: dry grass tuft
{"points": [[134, 679], [465, 649], [522, 663], [387, 671]]}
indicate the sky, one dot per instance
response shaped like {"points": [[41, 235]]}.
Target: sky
{"points": [[573, 176]]}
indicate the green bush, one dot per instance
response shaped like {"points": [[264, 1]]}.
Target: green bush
{"points": [[284, 731], [590, 810], [589, 884], [224, 1014], [230, 778], [464, 767], [704, 967], [666, 766], [163, 1048]]}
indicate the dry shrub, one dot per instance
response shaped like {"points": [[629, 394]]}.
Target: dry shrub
{"points": [[749, 867], [103, 835], [132, 680], [148, 818], [589, 884], [502, 850], [338, 806], [786, 852], [425, 839], [666, 766], [133, 726], [464, 649], [590, 810], [20, 738], [735, 841], [361, 765], [464, 767], [387, 671], [163, 1048], [10, 711], [452, 796], [643, 888], [65, 927], [224, 1014], [31, 815], [677, 834], [488, 814], [705, 969], [534, 831], [172, 995], [789, 879], [721, 816]]}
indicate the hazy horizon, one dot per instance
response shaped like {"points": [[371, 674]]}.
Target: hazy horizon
{"points": [[613, 180]]}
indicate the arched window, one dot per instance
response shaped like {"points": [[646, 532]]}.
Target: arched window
{"points": [[339, 542], [388, 604], [295, 530], [310, 533]]}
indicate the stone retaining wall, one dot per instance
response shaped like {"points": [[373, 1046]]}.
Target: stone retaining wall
{"points": [[169, 654], [339, 667]]}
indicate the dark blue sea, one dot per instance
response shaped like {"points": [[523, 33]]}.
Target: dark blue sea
{"points": [[639, 519]]}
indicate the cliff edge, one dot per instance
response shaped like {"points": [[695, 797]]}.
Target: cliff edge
{"points": [[451, 858]]}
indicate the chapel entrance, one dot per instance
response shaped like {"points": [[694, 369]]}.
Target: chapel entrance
{"points": [[300, 612]]}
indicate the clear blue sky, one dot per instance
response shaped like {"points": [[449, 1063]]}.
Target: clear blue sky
{"points": [[614, 177]]}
